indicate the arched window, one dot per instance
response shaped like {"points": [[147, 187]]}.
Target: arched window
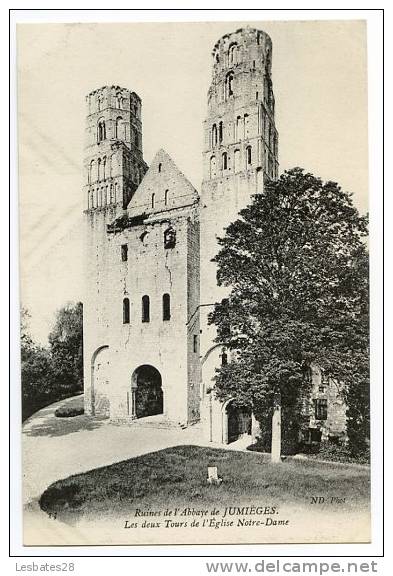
{"points": [[246, 118], [224, 358], [104, 168], [99, 169], [249, 155], [118, 127], [126, 311], [238, 128], [225, 161], [237, 160], [91, 172], [213, 167], [118, 101], [214, 135], [166, 197], [145, 309], [229, 84], [111, 194], [153, 200], [220, 132], [101, 132], [233, 54], [169, 238], [166, 307]]}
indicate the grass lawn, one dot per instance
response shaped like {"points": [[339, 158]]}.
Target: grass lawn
{"points": [[177, 476]]}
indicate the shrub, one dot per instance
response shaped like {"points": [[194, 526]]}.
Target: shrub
{"points": [[59, 498], [69, 412], [74, 407]]}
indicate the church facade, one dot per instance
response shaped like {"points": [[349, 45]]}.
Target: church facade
{"points": [[149, 351]]}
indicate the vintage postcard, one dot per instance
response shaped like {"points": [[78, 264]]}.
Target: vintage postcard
{"points": [[194, 282]]}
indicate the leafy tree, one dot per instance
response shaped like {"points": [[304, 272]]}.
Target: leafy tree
{"points": [[297, 268], [55, 372], [35, 371], [66, 348]]}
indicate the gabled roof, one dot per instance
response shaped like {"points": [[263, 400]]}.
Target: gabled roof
{"points": [[164, 187]]}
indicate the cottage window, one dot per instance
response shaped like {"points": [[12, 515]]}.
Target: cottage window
{"points": [[320, 408]]}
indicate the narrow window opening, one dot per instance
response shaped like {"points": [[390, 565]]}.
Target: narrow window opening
{"points": [[159, 167], [153, 200], [166, 307], [124, 252], [195, 343], [117, 127], [166, 197], [101, 135], [214, 135], [225, 161], [220, 132], [145, 309], [126, 311], [249, 155]]}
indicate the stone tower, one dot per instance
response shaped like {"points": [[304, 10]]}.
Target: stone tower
{"points": [[240, 153], [114, 163], [113, 169]]}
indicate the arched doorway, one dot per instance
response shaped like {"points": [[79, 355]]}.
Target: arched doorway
{"points": [[100, 364], [147, 392], [237, 421]]}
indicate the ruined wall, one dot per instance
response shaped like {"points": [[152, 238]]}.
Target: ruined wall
{"points": [[193, 324], [327, 390]]}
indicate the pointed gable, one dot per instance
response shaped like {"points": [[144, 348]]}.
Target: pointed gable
{"points": [[164, 187]]}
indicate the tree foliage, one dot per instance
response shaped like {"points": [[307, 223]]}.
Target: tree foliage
{"points": [[297, 268], [66, 347], [55, 372]]}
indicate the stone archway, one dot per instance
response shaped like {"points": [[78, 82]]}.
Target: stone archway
{"points": [[237, 421], [100, 381], [147, 393]]}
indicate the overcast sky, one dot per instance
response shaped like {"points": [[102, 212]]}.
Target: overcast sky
{"points": [[319, 77]]}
